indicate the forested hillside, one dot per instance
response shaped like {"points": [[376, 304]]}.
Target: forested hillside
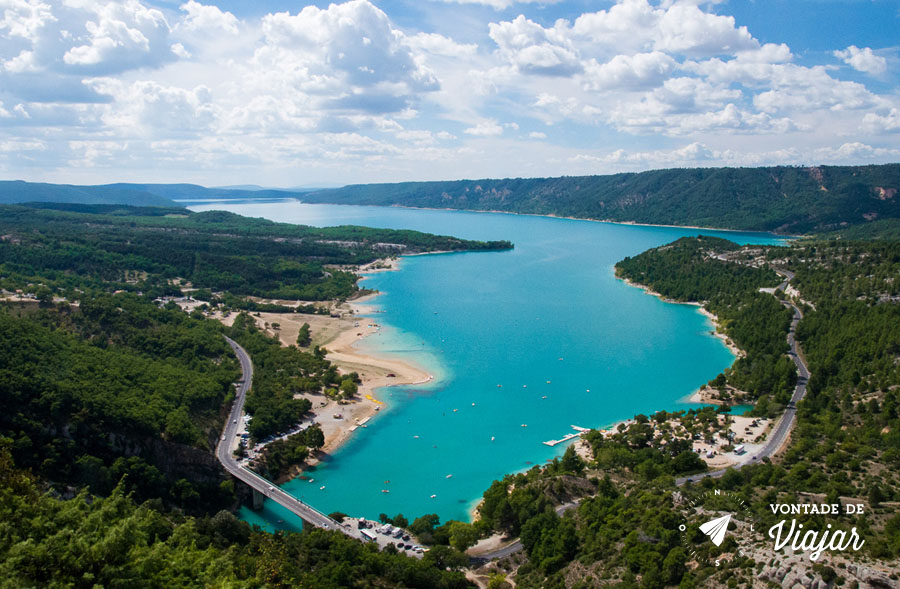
{"points": [[78, 245], [114, 541], [861, 201], [784, 199], [114, 398], [19, 192], [114, 388]]}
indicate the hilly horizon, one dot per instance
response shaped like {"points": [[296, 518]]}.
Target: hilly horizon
{"points": [[783, 199]]}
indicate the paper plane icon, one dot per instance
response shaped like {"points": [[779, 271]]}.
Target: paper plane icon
{"points": [[716, 529]]}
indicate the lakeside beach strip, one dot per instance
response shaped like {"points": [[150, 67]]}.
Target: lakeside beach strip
{"points": [[339, 336]]}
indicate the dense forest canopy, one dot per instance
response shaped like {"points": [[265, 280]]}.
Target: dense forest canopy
{"points": [[785, 199], [78, 245], [114, 541], [100, 391]]}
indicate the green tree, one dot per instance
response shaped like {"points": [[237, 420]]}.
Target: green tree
{"points": [[180, 428], [463, 535], [674, 567], [571, 461], [303, 336], [314, 437], [348, 388], [445, 557]]}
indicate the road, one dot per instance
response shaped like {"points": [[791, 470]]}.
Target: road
{"points": [[224, 453], [517, 545], [784, 426]]}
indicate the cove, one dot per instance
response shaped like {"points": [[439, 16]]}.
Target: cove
{"points": [[569, 343]]}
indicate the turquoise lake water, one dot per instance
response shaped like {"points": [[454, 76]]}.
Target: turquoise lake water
{"points": [[550, 310]]}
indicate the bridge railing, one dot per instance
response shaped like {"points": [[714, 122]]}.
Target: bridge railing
{"points": [[267, 483]]}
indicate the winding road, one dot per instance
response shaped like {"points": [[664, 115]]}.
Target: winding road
{"points": [[224, 453], [784, 426]]}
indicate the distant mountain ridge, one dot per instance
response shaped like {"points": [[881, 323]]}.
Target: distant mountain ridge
{"points": [[190, 191], [18, 191], [780, 199], [144, 195]]}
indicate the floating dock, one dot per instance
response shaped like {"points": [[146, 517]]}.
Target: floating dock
{"points": [[567, 437]]}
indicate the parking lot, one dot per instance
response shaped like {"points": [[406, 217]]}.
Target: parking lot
{"points": [[384, 535]]}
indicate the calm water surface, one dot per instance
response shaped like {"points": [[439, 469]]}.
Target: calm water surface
{"points": [[569, 343]]}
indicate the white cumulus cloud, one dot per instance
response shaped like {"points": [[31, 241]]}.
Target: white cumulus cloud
{"points": [[533, 49], [485, 129], [207, 19], [863, 60]]}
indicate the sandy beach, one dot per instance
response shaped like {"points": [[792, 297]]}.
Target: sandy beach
{"points": [[703, 395], [339, 336]]}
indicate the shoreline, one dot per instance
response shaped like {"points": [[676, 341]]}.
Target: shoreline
{"points": [[713, 318], [552, 216], [375, 371], [339, 419], [701, 395]]}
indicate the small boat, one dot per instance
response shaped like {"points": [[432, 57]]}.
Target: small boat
{"points": [[588, 390], [473, 404], [385, 491], [524, 386], [433, 496], [388, 482], [544, 397], [548, 382], [499, 386], [322, 488], [311, 480], [524, 425], [492, 438], [449, 476], [415, 437], [455, 410]]}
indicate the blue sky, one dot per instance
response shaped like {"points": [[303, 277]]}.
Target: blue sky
{"points": [[296, 94]]}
